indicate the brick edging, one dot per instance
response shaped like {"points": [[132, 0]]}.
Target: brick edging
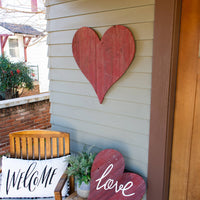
{"points": [[34, 114]]}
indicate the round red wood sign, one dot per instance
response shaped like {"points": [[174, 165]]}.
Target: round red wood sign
{"points": [[103, 61], [109, 182]]}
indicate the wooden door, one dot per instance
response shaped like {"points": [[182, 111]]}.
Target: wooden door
{"points": [[185, 167]]}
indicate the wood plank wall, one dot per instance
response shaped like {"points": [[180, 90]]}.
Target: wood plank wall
{"points": [[122, 121]]}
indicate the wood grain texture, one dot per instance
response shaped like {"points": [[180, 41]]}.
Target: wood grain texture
{"points": [[185, 122], [59, 187], [114, 176], [18, 147], [42, 148], [30, 147], [61, 146], [42, 144], [48, 147], [38, 144], [12, 147], [36, 148], [194, 171], [103, 61], [54, 147], [23, 147]]}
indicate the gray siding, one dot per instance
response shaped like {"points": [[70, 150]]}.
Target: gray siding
{"points": [[122, 120]]}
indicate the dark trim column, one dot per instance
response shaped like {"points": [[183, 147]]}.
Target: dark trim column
{"points": [[165, 58]]}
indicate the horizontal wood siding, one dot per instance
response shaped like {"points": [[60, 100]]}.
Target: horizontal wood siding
{"points": [[144, 48], [142, 31], [67, 9], [127, 16], [122, 120]]}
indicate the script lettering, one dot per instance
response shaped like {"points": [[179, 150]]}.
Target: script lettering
{"points": [[13, 180], [109, 184], [19, 182], [30, 179]]}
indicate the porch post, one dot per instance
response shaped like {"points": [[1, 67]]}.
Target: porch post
{"points": [[3, 42], [165, 57], [26, 41]]}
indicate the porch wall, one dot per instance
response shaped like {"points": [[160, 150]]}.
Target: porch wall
{"points": [[122, 120]]}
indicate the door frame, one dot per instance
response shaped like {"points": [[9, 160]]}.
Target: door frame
{"points": [[164, 71]]}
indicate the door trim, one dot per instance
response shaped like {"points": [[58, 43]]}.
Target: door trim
{"points": [[164, 70]]}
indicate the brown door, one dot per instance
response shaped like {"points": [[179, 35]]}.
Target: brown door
{"points": [[185, 167]]}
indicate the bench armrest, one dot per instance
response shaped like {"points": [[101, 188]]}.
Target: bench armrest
{"points": [[60, 185]]}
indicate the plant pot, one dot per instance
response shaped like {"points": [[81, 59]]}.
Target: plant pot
{"points": [[83, 190]]}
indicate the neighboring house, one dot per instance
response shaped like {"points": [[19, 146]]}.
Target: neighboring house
{"points": [[138, 112], [26, 16], [15, 39]]}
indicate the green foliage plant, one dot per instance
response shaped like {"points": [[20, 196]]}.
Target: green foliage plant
{"points": [[14, 76], [80, 165]]}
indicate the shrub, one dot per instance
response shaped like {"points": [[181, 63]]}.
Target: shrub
{"points": [[14, 76]]}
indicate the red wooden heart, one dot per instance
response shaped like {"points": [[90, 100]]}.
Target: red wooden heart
{"points": [[103, 61], [109, 182]]}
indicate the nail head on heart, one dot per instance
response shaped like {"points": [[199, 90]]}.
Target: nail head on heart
{"points": [[103, 61]]}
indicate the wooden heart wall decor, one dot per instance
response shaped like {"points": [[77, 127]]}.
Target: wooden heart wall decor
{"points": [[103, 61], [109, 182]]}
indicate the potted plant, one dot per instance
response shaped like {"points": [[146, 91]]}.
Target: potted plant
{"points": [[14, 76], [80, 167]]}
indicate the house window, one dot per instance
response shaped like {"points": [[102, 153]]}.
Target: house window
{"points": [[13, 47]]}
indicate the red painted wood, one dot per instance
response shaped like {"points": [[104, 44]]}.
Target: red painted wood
{"points": [[103, 61], [3, 42], [104, 159], [26, 41]]}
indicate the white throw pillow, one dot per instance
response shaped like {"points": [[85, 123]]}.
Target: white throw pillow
{"points": [[31, 178]]}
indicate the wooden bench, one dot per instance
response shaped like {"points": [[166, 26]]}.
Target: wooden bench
{"points": [[42, 144]]}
